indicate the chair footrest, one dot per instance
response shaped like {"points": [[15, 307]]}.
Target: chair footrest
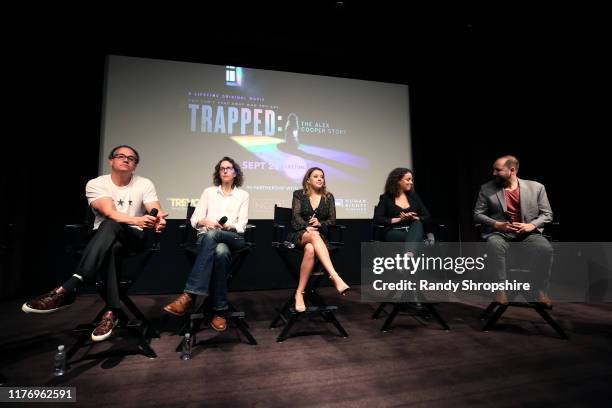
{"points": [[279, 315], [317, 309], [134, 323], [200, 316], [529, 305], [84, 327]]}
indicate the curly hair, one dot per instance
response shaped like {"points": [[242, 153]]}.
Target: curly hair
{"points": [[306, 187], [392, 184], [238, 180]]}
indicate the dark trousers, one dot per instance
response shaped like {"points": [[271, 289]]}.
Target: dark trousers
{"points": [[413, 233], [531, 251], [105, 252], [412, 236]]}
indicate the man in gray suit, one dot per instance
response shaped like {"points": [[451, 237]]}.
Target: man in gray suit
{"points": [[510, 209]]}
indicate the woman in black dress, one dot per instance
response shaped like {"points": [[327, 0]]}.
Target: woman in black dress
{"points": [[400, 209], [314, 209]]}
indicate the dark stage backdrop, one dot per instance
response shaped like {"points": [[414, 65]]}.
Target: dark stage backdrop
{"points": [[475, 94]]}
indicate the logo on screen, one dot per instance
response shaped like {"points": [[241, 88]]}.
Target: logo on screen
{"points": [[233, 75], [294, 167]]}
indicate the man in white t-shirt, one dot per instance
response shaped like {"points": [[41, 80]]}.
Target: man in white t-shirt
{"points": [[220, 218], [121, 202]]}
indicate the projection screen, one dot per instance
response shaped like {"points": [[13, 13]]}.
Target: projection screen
{"points": [[184, 117]]}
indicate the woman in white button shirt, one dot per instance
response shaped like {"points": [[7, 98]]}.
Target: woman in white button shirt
{"points": [[220, 218]]}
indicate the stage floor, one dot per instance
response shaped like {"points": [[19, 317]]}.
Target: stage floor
{"points": [[522, 362]]}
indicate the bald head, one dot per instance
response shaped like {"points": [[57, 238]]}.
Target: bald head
{"points": [[509, 162]]}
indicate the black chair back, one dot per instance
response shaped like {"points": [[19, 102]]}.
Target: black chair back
{"points": [[190, 211], [377, 229], [282, 223], [282, 215], [187, 235]]}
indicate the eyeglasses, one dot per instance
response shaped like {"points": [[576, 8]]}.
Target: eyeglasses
{"points": [[131, 159], [226, 169]]}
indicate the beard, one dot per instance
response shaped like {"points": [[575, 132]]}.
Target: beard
{"points": [[502, 181]]}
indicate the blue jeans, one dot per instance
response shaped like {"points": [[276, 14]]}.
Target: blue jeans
{"points": [[209, 272]]}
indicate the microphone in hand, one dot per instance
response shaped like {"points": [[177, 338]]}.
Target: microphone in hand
{"points": [[153, 213], [313, 216], [222, 220]]}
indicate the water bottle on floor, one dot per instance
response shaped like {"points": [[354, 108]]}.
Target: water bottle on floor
{"points": [[186, 349], [60, 361]]}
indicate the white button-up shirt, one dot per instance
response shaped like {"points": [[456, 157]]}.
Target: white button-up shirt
{"points": [[214, 205]]}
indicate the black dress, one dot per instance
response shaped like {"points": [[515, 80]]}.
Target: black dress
{"points": [[303, 211]]}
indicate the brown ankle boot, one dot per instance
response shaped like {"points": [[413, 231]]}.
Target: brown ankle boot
{"points": [[501, 297], [181, 305], [544, 299]]}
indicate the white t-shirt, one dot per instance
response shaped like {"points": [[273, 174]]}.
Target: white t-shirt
{"points": [[128, 199], [214, 204]]}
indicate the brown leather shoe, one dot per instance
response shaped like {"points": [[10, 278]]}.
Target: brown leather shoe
{"points": [[219, 323], [181, 305], [501, 297], [543, 298], [105, 328], [53, 301]]}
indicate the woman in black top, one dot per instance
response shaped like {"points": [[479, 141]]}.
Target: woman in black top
{"points": [[314, 209], [401, 210]]}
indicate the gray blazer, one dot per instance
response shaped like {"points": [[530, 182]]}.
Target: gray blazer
{"points": [[491, 205]]}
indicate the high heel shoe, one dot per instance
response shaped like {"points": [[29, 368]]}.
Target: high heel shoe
{"points": [[300, 306], [344, 288]]}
